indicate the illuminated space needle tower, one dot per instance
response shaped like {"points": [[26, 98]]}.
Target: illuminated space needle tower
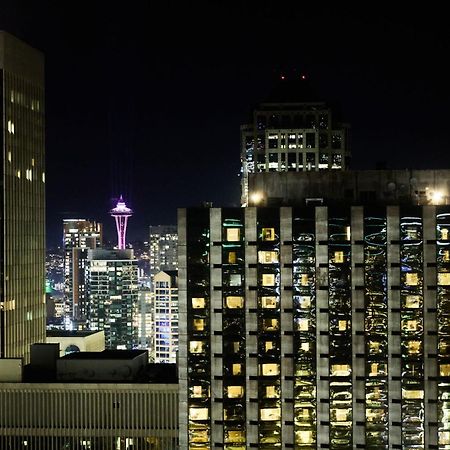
{"points": [[121, 213]]}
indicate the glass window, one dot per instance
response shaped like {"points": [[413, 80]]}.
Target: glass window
{"points": [[235, 279], [412, 279], [233, 234], [304, 437], [198, 414], [304, 279], [269, 302], [444, 370], [270, 414], [444, 279], [237, 369], [271, 392], [268, 234], [270, 324], [268, 279], [235, 302], [342, 325], [232, 258], [305, 302], [446, 255], [267, 257], [235, 391], [302, 324], [196, 435], [444, 234], [268, 345], [412, 301], [196, 391], [338, 257], [269, 369], [414, 347], [234, 436], [196, 347], [199, 324], [198, 302], [340, 370], [410, 394]]}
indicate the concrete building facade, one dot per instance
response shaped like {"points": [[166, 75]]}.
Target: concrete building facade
{"points": [[22, 205], [315, 327]]}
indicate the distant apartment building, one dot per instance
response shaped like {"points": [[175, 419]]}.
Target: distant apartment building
{"points": [[79, 235], [165, 317], [163, 248], [112, 286]]}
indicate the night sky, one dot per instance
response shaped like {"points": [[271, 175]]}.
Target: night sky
{"points": [[147, 101]]}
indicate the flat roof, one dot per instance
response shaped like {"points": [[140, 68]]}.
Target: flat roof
{"points": [[105, 354], [68, 333]]}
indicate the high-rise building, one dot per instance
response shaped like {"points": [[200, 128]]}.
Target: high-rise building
{"points": [[79, 235], [113, 293], [165, 317], [163, 248], [22, 217], [315, 327], [292, 132]]}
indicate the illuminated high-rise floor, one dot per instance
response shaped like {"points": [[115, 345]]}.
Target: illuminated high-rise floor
{"points": [[22, 215], [293, 130], [163, 248], [79, 235], [313, 327]]}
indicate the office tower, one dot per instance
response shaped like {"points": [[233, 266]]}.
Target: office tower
{"points": [[113, 292], [22, 217], [79, 235], [145, 318], [165, 317], [310, 326], [163, 248], [292, 131], [121, 213]]}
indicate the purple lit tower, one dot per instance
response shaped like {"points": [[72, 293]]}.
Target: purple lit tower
{"points": [[121, 213]]}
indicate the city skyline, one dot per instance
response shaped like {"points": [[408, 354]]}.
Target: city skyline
{"points": [[163, 90]]}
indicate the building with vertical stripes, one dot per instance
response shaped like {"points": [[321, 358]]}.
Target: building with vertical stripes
{"points": [[322, 324], [22, 200]]}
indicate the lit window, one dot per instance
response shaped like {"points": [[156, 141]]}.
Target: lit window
{"points": [[236, 346], [414, 347], [271, 392], [373, 370], [270, 324], [268, 414], [235, 279], [196, 346], [237, 369], [338, 257], [269, 302], [444, 234], [199, 324], [412, 301], [304, 280], [233, 234], [198, 302], [340, 370], [374, 347], [235, 391], [444, 279], [303, 324], [198, 414], [446, 255], [10, 127], [196, 435], [9, 156], [268, 345], [266, 257], [410, 325], [268, 279], [304, 437], [268, 234], [408, 394], [305, 302], [234, 436], [232, 258], [305, 346], [348, 233], [235, 302], [196, 392], [269, 369], [444, 437], [412, 279], [342, 325], [444, 370]]}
